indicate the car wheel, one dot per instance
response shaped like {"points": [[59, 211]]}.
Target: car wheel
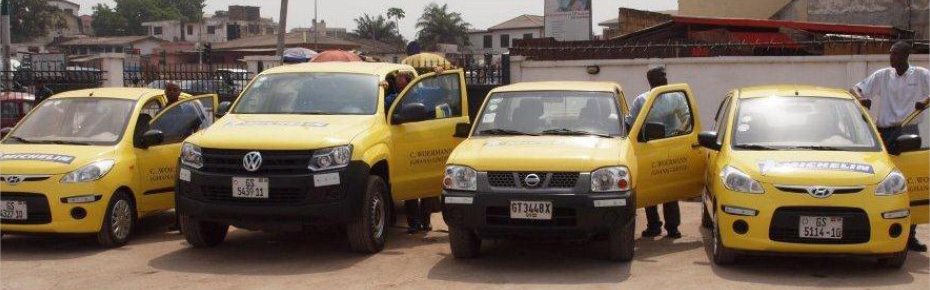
{"points": [[706, 221], [202, 234], [620, 241], [118, 221], [896, 261], [465, 243], [368, 234], [722, 255]]}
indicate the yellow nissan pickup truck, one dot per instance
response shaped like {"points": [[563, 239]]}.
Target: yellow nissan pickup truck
{"points": [[556, 159], [320, 143], [802, 170], [94, 161]]}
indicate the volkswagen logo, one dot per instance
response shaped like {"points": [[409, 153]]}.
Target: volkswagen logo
{"points": [[532, 180], [14, 179], [252, 161], [820, 192]]}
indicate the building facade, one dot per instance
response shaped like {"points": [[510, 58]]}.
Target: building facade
{"points": [[238, 22], [911, 15], [498, 39]]}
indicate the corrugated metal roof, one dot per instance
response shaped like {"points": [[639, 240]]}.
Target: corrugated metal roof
{"points": [[292, 38], [118, 40], [522, 21]]}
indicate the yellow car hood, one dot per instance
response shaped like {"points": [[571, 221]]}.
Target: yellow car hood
{"points": [[534, 153], [49, 158], [282, 132], [838, 168]]}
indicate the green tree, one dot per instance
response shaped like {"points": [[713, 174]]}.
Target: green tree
{"points": [[397, 14], [33, 18], [127, 16], [377, 28], [107, 22], [438, 25]]}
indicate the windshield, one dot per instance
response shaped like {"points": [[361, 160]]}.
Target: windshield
{"points": [[550, 113], [80, 121], [805, 123], [311, 93]]}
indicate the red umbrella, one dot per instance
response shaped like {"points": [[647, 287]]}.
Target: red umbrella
{"points": [[336, 55]]}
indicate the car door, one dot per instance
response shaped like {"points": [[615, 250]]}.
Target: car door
{"points": [[420, 145], [157, 164], [669, 167], [916, 166], [721, 123]]}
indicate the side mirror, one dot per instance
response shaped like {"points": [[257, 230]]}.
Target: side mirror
{"points": [[462, 130], [412, 112], [708, 139], [223, 109], [151, 138], [5, 131], [905, 143], [653, 131]]}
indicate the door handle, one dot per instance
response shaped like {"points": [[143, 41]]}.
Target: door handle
{"points": [[695, 145]]}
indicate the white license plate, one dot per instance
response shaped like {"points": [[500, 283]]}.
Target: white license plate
{"points": [[321, 180], [13, 210], [531, 210], [821, 227], [250, 187]]}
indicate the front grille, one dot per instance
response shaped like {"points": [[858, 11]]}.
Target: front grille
{"points": [[274, 162], [37, 209], [498, 179], [563, 180], [784, 225], [803, 190], [547, 180], [561, 217], [276, 195]]}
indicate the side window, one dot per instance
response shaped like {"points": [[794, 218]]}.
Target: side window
{"points": [[184, 119], [919, 125], [441, 95], [151, 108], [672, 110], [723, 115]]}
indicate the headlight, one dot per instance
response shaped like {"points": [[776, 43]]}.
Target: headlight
{"points": [[191, 155], [460, 178], [736, 180], [610, 179], [89, 172], [331, 158], [894, 184]]}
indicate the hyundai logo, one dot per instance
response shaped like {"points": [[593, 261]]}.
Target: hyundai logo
{"points": [[252, 161], [532, 180], [14, 179], [820, 192]]}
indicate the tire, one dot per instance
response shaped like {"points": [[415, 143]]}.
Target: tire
{"points": [[722, 255], [369, 232], [706, 221], [118, 222], [202, 234], [620, 242], [896, 261], [465, 244]]}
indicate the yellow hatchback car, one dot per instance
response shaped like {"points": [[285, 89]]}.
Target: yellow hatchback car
{"points": [[915, 164], [802, 170], [94, 161]]}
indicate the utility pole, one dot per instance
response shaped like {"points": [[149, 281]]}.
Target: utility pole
{"points": [[5, 42], [282, 26], [316, 32]]}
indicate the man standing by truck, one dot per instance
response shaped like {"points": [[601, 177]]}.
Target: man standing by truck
{"points": [[892, 94], [657, 78]]}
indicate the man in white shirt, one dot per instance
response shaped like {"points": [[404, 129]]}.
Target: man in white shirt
{"points": [[891, 94]]}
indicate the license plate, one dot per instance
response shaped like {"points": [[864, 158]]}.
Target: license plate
{"points": [[821, 227], [532, 210], [321, 180], [13, 210], [249, 187]]}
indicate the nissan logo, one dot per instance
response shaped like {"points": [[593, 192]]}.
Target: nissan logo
{"points": [[532, 180], [820, 192], [14, 179], [252, 161]]}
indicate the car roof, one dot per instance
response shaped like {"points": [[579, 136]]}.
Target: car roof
{"points": [[792, 90], [372, 68], [116, 93], [560, 86]]}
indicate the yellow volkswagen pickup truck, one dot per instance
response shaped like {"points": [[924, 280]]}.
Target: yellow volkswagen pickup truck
{"points": [[801, 170], [320, 143], [556, 159], [915, 164], [94, 161]]}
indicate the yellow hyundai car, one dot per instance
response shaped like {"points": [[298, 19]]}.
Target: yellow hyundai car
{"points": [[802, 170], [94, 161], [916, 165]]}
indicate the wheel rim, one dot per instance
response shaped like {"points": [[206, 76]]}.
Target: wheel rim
{"points": [[377, 216], [121, 219]]}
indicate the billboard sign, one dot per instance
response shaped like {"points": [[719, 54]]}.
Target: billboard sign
{"points": [[568, 20]]}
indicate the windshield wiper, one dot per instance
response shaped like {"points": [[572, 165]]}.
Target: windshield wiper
{"points": [[754, 147], [567, 132], [819, 148], [505, 132], [63, 142], [22, 140]]}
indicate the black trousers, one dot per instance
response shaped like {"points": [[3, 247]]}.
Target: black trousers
{"points": [[418, 211], [669, 210]]}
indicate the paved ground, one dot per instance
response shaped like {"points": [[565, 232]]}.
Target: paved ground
{"points": [[157, 259]]}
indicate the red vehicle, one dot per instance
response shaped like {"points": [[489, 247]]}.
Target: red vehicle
{"points": [[15, 106]]}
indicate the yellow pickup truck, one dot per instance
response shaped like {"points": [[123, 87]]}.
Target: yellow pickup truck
{"points": [[557, 159], [320, 143]]}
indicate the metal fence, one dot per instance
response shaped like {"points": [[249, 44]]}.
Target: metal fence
{"points": [[23, 87], [226, 80]]}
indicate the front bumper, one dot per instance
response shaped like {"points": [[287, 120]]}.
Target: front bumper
{"points": [[574, 215], [47, 213], [293, 200]]}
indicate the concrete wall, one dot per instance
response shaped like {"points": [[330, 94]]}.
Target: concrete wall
{"points": [[761, 9], [904, 14], [712, 77], [477, 39]]}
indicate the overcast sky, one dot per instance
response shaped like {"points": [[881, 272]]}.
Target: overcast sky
{"points": [[480, 13]]}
